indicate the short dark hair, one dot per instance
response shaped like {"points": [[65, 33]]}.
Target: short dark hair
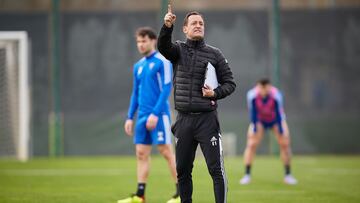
{"points": [[146, 31], [186, 19], [264, 81]]}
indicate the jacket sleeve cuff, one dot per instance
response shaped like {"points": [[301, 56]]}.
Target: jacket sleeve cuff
{"points": [[167, 29], [216, 93]]}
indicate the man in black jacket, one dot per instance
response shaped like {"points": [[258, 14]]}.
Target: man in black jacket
{"points": [[197, 121]]}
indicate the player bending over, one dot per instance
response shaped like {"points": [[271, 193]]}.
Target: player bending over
{"points": [[265, 105]]}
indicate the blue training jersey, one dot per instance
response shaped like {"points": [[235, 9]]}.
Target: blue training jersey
{"points": [[152, 77]]}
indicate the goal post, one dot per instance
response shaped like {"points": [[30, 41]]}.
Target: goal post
{"points": [[14, 95]]}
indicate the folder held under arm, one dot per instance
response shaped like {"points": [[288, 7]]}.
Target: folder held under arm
{"points": [[210, 76]]}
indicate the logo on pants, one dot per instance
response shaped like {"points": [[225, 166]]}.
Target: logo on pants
{"points": [[160, 136], [213, 141]]}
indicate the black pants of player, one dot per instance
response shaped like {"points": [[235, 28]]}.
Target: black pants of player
{"points": [[191, 130]]}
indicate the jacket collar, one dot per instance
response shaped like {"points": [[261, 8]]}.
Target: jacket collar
{"points": [[195, 43]]}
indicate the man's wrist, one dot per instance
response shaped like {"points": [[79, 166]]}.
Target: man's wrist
{"points": [[168, 28], [154, 113], [215, 94]]}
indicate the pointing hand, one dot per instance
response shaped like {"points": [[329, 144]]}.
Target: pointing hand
{"points": [[169, 18]]}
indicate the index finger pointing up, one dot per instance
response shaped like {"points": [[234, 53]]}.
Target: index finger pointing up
{"points": [[169, 8]]}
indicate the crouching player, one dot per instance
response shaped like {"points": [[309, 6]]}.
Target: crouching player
{"points": [[265, 105]]}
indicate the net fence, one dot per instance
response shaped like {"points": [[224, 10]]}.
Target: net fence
{"points": [[318, 76], [9, 100]]}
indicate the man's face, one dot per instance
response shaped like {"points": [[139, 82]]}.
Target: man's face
{"points": [[264, 90], [194, 29], [145, 45]]}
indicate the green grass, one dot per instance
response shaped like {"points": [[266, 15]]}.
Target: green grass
{"points": [[106, 179]]}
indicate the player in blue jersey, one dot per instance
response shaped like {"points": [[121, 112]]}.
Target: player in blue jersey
{"points": [[266, 110], [151, 88]]}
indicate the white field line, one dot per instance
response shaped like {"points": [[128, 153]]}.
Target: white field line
{"points": [[278, 192], [337, 171], [63, 172]]}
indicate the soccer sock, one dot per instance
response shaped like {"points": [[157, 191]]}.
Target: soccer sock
{"points": [[248, 169], [177, 190], [140, 189], [287, 170]]}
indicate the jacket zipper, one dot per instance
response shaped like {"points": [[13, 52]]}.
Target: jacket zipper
{"points": [[192, 76]]}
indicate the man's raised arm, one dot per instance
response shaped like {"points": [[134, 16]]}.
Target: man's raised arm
{"points": [[165, 46]]}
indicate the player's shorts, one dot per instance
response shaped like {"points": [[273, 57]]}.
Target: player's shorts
{"points": [[268, 125], [160, 135]]}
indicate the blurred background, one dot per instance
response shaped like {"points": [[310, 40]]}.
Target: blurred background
{"points": [[81, 54]]}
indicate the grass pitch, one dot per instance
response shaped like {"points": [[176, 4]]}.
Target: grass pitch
{"points": [[106, 179]]}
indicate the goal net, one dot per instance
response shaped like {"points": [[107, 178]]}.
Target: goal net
{"points": [[14, 96]]}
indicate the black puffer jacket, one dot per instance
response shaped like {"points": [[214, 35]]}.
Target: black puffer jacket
{"points": [[190, 60]]}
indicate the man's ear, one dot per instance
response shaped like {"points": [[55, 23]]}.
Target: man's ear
{"points": [[185, 29]]}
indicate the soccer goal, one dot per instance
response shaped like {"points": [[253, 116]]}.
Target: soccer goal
{"points": [[14, 95]]}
